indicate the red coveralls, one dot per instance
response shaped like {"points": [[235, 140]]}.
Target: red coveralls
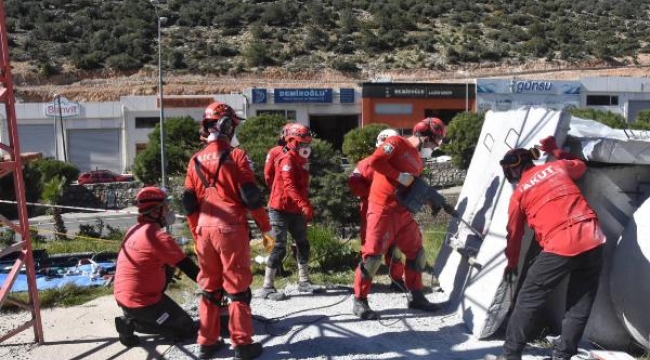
{"points": [[388, 222], [567, 230], [359, 183], [289, 200], [222, 241], [269, 165], [290, 195], [555, 209]]}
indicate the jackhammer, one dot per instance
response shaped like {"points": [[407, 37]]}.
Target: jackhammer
{"points": [[419, 194]]}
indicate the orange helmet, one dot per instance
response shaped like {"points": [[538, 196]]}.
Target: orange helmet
{"points": [[298, 133], [223, 115], [430, 127], [150, 197]]}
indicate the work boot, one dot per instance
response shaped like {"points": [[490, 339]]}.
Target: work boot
{"points": [[417, 300], [304, 284], [397, 285], [269, 291], [125, 330], [361, 309], [501, 357], [206, 351], [248, 351]]}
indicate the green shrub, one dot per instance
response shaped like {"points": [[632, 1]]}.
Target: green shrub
{"points": [[360, 142], [257, 136], [33, 187], [181, 143], [615, 121], [642, 121], [50, 168], [463, 132], [328, 252]]}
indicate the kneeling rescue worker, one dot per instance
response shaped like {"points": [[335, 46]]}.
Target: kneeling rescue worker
{"points": [[219, 189], [141, 275], [395, 163]]}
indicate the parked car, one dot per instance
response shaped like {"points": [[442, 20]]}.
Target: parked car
{"points": [[102, 176]]}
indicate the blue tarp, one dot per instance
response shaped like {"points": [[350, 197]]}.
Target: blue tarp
{"points": [[44, 282]]}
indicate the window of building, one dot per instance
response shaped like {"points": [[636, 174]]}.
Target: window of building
{"points": [[602, 100], [146, 122]]}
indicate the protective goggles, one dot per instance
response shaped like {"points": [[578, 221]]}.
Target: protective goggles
{"points": [[302, 145]]}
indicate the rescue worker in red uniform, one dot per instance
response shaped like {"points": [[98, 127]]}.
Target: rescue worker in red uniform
{"points": [[273, 155], [395, 163], [219, 189], [141, 277], [359, 183], [290, 210], [568, 231]]}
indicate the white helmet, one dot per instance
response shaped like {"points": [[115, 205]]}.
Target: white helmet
{"points": [[384, 134]]}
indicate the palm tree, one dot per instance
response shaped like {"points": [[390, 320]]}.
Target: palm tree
{"points": [[52, 192]]}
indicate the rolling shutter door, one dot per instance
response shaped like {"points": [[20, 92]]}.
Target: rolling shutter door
{"points": [[37, 138], [92, 149], [634, 107]]}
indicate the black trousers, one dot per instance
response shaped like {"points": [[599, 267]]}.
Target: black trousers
{"points": [[164, 317], [294, 224], [543, 277]]}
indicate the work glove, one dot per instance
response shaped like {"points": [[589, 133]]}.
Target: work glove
{"points": [[268, 241], [548, 144], [308, 212], [510, 274], [405, 179]]}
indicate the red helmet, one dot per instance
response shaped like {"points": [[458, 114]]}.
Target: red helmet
{"points": [[298, 133], [225, 117], [150, 197], [430, 127], [283, 133]]}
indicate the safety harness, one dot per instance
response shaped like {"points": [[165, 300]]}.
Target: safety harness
{"points": [[197, 166]]}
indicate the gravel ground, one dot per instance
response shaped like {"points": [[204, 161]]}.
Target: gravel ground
{"points": [[313, 326], [321, 326]]}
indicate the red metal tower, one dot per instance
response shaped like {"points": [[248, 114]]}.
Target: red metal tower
{"points": [[13, 164]]}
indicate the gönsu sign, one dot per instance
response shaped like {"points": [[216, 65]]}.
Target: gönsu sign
{"points": [[68, 109]]}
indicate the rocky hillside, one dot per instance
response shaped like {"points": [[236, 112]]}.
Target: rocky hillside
{"points": [[100, 49]]}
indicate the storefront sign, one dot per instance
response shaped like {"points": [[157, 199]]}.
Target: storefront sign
{"points": [[259, 96], [67, 108], [302, 95], [429, 91], [185, 102]]}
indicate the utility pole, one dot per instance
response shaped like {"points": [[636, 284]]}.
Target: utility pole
{"points": [[163, 160]]}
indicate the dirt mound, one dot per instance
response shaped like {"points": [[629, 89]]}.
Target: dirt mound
{"points": [[109, 86]]}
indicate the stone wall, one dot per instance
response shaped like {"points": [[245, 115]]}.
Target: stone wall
{"points": [[444, 175], [116, 195]]}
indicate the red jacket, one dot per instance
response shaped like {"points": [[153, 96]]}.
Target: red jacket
{"points": [[270, 163], [226, 206], [396, 155], [290, 192], [360, 181], [140, 278], [547, 198]]}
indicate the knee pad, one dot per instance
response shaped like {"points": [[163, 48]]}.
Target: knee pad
{"points": [[244, 296], [370, 265], [419, 263], [215, 297], [395, 254]]}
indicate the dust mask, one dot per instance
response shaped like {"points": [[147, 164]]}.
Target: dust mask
{"points": [[170, 218], [304, 152], [426, 153]]}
